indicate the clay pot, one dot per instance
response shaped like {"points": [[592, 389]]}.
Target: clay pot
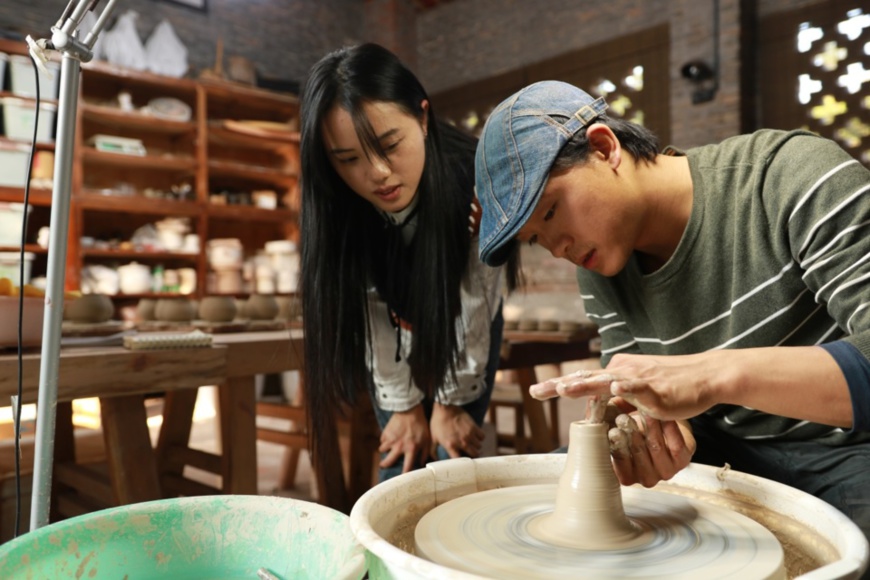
{"points": [[217, 308], [89, 308], [262, 307], [145, 309], [288, 307], [174, 310]]}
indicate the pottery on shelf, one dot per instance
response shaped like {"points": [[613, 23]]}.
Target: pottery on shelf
{"points": [[145, 309], [217, 308], [262, 307], [89, 308], [174, 310]]}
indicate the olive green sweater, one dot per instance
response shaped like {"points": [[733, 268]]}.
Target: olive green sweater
{"points": [[776, 253]]}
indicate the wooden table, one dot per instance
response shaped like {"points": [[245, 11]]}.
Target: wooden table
{"points": [[522, 351], [119, 377]]}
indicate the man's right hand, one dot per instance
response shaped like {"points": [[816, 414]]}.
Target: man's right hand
{"points": [[647, 451]]}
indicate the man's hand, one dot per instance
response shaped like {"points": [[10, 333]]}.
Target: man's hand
{"points": [[455, 431], [406, 433], [664, 387], [646, 450]]}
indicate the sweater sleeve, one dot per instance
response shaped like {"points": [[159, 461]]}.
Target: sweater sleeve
{"points": [[856, 368], [828, 225]]}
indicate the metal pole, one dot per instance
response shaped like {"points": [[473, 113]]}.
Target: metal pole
{"points": [[56, 273], [64, 39]]}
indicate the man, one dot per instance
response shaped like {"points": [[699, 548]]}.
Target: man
{"points": [[730, 283]]}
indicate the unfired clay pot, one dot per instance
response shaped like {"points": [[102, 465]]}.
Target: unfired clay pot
{"points": [[174, 310], [145, 308], [89, 308], [262, 307], [217, 308]]}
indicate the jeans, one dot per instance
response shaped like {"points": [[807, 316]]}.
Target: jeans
{"points": [[838, 475], [477, 408]]}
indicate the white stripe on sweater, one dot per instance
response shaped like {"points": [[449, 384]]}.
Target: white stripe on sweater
{"points": [[817, 184], [830, 214]]}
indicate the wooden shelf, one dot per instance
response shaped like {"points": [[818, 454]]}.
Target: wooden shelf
{"points": [[139, 255], [38, 196], [42, 98], [137, 121], [40, 145], [208, 153], [91, 200], [220, 168], [220, 135], [170, 163], [249, 213], [33, 248]]}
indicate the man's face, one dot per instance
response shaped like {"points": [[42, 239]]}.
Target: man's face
{"points": [[586, 216]]}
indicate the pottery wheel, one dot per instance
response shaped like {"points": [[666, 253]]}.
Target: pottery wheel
{"points": [[487, 533]]}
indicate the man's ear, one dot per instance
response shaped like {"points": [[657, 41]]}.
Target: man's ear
{"points": [[603, 142]]}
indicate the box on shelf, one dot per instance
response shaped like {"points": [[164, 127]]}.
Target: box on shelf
{"points": [[4, 59], [11, 220], [22, 80], [13, 165], [9, 266], [20, 115]]}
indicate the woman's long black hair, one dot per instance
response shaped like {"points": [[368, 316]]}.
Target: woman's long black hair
{"points": [[346, 245]]}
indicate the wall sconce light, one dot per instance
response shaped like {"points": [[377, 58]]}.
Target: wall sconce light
{"points": [[705, 77]]}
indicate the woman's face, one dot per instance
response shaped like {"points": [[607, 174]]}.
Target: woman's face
{"points": [[388, 184]]}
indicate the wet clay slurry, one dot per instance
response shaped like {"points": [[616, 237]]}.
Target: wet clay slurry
{"points": [[587, 525]]}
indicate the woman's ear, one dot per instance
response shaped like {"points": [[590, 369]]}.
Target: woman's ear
{"points": [[603, 142], [424, 120]]}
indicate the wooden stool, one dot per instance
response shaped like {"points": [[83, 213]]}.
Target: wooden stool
{"points": [[359, 430], [508, 396]]}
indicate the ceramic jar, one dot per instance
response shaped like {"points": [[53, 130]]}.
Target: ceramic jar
{"points": [[262, 307], [135, 278], [174, 310], [217, 308], [89, 308]]}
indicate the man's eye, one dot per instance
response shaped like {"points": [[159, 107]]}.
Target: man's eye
{"points": [[549, 214], [533, 240]]}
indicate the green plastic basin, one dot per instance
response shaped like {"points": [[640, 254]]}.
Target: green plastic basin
{"points": [[215, 537]]}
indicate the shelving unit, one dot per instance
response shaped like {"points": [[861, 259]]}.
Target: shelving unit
{"points": [[224, 152]]}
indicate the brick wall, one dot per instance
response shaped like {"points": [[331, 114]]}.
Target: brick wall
{"points": [[467, 40], [282, 38]]}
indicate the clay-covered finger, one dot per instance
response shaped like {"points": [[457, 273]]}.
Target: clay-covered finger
{"points": [[621, 454], [644, 470], [657, 447]]}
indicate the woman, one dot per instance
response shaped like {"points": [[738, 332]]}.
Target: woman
{"points": [[395, 301]]}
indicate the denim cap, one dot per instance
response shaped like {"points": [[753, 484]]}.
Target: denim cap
{"points": [[518, 145]]}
